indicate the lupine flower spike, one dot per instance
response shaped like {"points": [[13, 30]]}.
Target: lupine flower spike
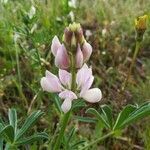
{"points": [[74, 45]]}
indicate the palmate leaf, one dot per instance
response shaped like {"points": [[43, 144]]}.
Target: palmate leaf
{"points": [[141, 112], [105, 116], [107, 113], [13, 119], [29, 122], [130, 114], [7, 133], [32, 139], [123, 115]]}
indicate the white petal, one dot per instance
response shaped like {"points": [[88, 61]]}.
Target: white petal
{"points": [[65, 77], [93, 95], [87, 84], [83, 75], [68, 95], [66, 105], [51, 83]]}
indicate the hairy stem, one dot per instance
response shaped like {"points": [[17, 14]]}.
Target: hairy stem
{"points": [[63, 125], [97, 140], [73, 72], [65, 118]]}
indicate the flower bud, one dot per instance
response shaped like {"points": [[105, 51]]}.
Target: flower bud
{"points": [[67, 36], [87, 51], [74, 27], [140, 25], [79, 57], [62, 58], [79, 36], [140, 22]]}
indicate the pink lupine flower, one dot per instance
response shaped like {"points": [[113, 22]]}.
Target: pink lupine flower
{"points": [[87, 51], [55, 45], [79, 57], [68, 96], [62, 58], [60, 53], [74, 44], [51, 83], [62, 85]]}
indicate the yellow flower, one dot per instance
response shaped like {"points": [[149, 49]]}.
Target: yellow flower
{"points": [[140, 22]]}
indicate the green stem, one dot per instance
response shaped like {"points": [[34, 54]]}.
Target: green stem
{"points": [[65, 119], [64, 123], [19, 85], [137, 47], [98, 140], [73, 72], [18, 66]]}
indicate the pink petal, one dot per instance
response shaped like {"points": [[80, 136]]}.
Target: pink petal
{"points": [[93, 95], [65, 78], [83, 75], [66, 105], [68, 95], [62, 58], [79, 58], [55, 45], [87, 51], [51, 83]]}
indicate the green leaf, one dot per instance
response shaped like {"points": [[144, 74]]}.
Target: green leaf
{"points": [[7, 133], [29, 122], [32, 139], [13, 118], [74, 146], [85, 119], [107, 112], [2, 122], [123, 115], [72, 132], [141, 112], [78, 104], [57, 103], [1, 127], [1, 144], [98, 116]]}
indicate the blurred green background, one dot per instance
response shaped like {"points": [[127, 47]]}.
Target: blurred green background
{"points": [[26, 31]]}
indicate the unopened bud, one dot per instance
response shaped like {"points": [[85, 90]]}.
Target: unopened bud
{"points": [[74, 27], [140, 22], [140, 25], [67, 36], [79, 35], [73, 42]]}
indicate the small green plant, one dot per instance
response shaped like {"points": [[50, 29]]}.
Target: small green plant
{"points": [[128, 115], [14, 136]]}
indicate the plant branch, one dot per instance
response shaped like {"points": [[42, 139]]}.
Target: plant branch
{"points": [[97, 140]]}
